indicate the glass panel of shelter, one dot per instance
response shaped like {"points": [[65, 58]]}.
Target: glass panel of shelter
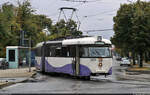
{"points": [[12, 55]]}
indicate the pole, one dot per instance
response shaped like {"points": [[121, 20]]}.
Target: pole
{"points": [[30, 54], [43, 57], [22, 38]]}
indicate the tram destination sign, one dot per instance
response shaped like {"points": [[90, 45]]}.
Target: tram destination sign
{"points": [[100, 43]]}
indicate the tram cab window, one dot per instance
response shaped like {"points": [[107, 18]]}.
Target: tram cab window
{"points": [[95, 52], [99, 52]]}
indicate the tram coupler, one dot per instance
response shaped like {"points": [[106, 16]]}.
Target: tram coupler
{"points": [[105, 75]]}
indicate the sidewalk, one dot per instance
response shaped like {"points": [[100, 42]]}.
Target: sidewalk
{"points": [[12, 76], [13, 73]]}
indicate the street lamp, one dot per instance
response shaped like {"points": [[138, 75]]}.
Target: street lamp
{"points": [[30, 54], [43, 48]]}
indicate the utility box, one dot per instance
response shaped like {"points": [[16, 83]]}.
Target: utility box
{"points": [[16, 56]]}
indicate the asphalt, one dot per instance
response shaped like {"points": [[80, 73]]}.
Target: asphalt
{"points": [[118, 82]]}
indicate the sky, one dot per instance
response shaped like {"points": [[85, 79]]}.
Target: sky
{"points": [[93, 15]]}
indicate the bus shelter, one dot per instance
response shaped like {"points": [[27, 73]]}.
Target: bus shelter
{"points": [[17, 56]]}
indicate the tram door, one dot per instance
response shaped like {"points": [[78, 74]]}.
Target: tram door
{"points": [[74, 52], [77, 64]]}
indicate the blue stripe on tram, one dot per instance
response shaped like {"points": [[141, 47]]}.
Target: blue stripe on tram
{"points": [[84, 70]]}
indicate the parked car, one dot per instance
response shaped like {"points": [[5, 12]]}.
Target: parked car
{"points": [[1, 61], [125, 61], [118, 58]]}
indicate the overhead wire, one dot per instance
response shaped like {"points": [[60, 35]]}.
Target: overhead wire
{"points": [[78, 5], [101, 13], [87, 2], [82, 1], [98, 30]]}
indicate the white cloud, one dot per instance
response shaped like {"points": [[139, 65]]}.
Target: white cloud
{"points": [[101, 9]]}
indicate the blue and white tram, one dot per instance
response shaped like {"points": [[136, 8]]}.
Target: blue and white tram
{"points": [[77, 57]]}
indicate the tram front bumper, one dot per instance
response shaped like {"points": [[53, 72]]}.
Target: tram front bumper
{"points": [[100, 72]]}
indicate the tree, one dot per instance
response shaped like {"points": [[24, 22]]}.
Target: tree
{"points": [[22, 18], [30, 23], [6, 16], [14, 19], [64, 29], [24, 12], [132, 25]]}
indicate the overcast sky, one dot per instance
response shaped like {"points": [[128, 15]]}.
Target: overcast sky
{"points": [[94, 15]]}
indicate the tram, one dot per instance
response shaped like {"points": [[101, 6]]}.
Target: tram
{"points": [[85, 57]]}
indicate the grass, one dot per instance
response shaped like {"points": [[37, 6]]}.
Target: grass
{"points": [[148, 62], [139, 69]]}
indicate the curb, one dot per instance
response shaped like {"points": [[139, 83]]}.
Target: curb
{"points": [[6, 84], [33, 74]]}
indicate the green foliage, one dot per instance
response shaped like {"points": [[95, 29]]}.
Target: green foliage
{"points": [[14, 19], [64, 29], [132, 25]]}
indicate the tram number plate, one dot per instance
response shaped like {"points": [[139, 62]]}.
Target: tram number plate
{"points": [[93, 59]]}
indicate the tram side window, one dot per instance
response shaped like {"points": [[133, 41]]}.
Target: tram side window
{"points": [[65, 52], [38, 51], [52, 51], [47, 51], [72, 51], [58, 52], [11, 55]]}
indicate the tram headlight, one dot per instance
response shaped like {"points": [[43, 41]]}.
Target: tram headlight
{"points": [[100, 62]]}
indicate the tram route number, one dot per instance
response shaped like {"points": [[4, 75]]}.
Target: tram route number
{"points": [[93, 59]]}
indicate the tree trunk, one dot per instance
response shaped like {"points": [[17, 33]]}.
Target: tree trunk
{"points": [[141, 60], [146, 57], [133, 56]]}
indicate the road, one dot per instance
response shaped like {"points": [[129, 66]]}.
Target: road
{"points": [[118, 82]]}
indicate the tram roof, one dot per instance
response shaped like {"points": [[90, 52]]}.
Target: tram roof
{"points": [[86, 40], [48, 42], [77, 41]]}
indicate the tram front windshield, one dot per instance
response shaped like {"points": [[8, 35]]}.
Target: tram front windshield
{"points": [[95, 52]]}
